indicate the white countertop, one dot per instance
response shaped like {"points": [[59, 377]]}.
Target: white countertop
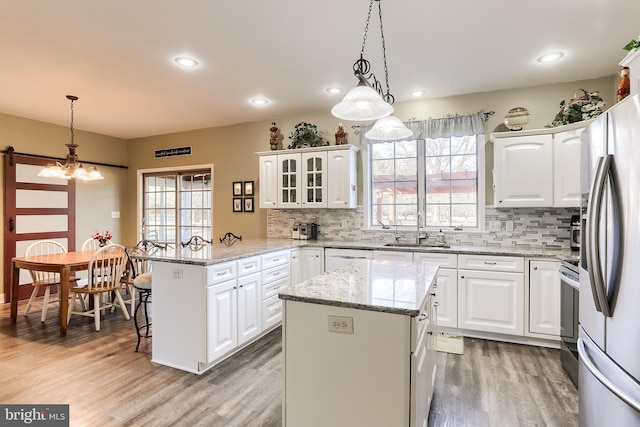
{"points": [[374, 285]]}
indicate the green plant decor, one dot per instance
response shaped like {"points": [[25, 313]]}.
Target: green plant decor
{"points": [[588, 106], [306, 135], [633, 44]]}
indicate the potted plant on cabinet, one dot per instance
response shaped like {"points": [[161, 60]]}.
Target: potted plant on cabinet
{"points": [[306, 135]]}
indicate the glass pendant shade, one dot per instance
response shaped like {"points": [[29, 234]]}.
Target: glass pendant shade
{"points": [[389, 128], [362, 103]]}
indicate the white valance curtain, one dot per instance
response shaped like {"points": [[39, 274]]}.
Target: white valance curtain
{"points": [[444, 127]]}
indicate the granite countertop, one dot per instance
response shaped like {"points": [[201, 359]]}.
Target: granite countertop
{"points": [[374, 285], [218, 252], [473, 250]]}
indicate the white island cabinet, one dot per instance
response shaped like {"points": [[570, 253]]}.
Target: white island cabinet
{"points": [[204, 310], [359, 346]]}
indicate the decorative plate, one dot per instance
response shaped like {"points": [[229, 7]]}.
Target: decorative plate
{"points": [[517, 118]]}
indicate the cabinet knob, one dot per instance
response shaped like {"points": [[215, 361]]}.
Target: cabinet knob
{"points": [[462, 277], [535, 268]]}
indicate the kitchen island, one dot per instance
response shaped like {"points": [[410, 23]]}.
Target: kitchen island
{"points": [[359, 346]]}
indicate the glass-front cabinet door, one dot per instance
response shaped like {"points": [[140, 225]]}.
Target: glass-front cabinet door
{"points": [[314, 172], [289, 181]]}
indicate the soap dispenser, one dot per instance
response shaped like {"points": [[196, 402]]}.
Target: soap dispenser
{"points": [[440, 238]]}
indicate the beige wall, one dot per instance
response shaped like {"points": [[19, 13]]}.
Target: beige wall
{"points": [[94, 200], [231, 149]]}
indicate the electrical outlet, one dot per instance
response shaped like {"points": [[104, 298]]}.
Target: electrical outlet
{"points": [[340, 324], [344, 224], [509, 226], [176, 273]]}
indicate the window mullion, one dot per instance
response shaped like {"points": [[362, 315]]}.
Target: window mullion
{"points": [[421, 176]]}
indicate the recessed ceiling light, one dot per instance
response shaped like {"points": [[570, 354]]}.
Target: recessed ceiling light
{"points": [[334, 89], [416, 93], [186, 62], [550, 57], [259, 101]]}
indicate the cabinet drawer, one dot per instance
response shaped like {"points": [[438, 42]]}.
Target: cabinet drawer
{"points": [[271, 312], [273, 288], [492, 263], [272, 274], [274, 259], [219, 273], [443, 260], [249, 265]]}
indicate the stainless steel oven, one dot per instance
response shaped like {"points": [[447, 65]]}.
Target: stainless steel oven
{"points": [[569, 297]]}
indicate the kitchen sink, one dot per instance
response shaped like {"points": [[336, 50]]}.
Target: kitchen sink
{"points": [[415, 245]]}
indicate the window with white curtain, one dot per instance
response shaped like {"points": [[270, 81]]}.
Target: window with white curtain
{"points": [[177, 205], [439, 174]]}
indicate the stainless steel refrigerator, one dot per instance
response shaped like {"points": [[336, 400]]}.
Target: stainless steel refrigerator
{"points": [[609, 333]]}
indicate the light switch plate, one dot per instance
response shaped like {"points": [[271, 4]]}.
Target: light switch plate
{"points": [[494, 225], [509, 226]]}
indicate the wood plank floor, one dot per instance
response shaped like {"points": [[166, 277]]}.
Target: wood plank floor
{"points": [[107, 384]]}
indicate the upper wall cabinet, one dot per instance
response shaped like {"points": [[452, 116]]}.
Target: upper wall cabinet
{"points": [[537, 168], [322, 177], [632, 60]]}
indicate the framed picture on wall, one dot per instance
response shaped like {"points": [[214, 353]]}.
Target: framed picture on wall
{"points": [[248, 204], [237, 204], [237, 188], [248, 188]]}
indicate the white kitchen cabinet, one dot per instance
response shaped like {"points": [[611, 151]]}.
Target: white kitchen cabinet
{"points": [[222, 319], [393, 255], [321, 177], [491, 298], [306, 263], [289, 180], [544, 298], [342, 178], [537, 168], [523, 171], [205, 313], [566, 168], [446, 286], [334, 257], [249, 307], [276, 275], [268, 172], [632, 60], [314, 176]]}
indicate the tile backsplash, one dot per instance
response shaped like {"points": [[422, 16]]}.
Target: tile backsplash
{"points": [[532, 227]]}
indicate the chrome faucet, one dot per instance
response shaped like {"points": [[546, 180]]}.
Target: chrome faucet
{"points": [[420, 238]]}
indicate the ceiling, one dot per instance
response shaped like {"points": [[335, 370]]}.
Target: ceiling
{"points": [[117, 55]]}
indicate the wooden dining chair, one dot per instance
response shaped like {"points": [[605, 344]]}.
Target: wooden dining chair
{"points": [[106, 269], [43, 279]]}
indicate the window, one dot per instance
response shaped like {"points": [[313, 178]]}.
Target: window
{"points": [[442, 178], [177, 206]]}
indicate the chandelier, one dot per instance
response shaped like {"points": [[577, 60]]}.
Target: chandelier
{"points": [[71, 168], [367, 101]]}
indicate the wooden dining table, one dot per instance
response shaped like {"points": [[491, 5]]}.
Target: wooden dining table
{"points": [[58, 263]]}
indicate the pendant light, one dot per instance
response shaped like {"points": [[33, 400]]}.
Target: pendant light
{"points": [[367, 101], [71, 169]]}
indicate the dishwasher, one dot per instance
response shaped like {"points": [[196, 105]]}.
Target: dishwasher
{"points": [[334, 258]]}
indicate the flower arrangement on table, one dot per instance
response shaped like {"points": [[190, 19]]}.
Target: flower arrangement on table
{"points": [[102, 239]]}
